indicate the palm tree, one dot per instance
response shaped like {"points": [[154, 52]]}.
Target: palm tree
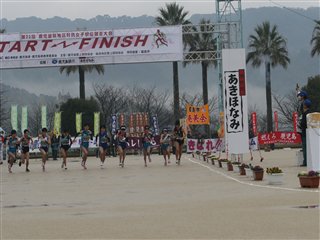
{"points": [[203, 42], [269, 47], [173, 14], [316, 39], [82, 70]]}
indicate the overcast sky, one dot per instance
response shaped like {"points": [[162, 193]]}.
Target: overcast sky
{"points": [[12, 9]]}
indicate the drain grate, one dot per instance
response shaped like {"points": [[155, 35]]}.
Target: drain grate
{"points": [[310, 206]]}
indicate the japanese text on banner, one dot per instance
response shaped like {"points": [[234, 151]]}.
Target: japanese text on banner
{"points": [[233, 102], [198, 115]]}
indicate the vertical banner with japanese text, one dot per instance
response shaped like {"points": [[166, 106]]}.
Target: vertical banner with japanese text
{"points": [[295, 121], [121, 119], [235, 100], [78, 122], [198, 115], [14, 117], [113, 124], [254, 123], [276, 121], [96, 123], [131, 124], [43, 116], [24, 118], [155, 125], [57, 122], [137, 123]]}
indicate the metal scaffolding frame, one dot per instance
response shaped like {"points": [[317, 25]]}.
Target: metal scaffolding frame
{"points": [[227, 31]]}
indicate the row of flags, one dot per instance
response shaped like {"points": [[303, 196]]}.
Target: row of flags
{"points": [[137, 121]]}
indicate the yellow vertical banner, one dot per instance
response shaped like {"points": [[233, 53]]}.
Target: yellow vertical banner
{"points": [[198, 115], [78, 122], [24, 118], [14, 117], [44, 116], [57, 123], [221, 125], [96, 123]]}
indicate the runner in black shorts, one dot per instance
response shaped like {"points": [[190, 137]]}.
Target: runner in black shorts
{"points": [[178, 135], [65, 144], [25, 141]]}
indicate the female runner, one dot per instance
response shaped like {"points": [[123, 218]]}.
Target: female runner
{"points": [[65, 144], [25, 145]]}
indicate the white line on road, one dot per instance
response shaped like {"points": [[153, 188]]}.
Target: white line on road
{"points": [[252, 184]]}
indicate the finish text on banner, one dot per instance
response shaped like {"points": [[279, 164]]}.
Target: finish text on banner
{"points": [[109, 46]]}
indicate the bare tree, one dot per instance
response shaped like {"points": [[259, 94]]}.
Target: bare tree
{"points": [[34, 119], [111, 100], [152, 102], [286, 105], [261, 118], [4, 114]]}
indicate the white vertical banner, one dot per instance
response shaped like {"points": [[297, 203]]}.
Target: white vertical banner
{"points": [[44, 116], [235, 100], [24, 118], [14, 117]]}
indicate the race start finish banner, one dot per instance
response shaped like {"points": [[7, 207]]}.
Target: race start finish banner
{"points": [[235, 100], [197, 115], [110, 46]]}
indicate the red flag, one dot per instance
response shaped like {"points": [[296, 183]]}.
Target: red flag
{"points": [[254, 123], [276, 121], [295, 121]]}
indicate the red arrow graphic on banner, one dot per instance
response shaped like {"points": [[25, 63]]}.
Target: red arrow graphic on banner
{"points": [[65, 45]]}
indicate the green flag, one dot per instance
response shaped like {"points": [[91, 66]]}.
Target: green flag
{"points": [[14, 117], [96, 123], [44, 116], [57, 122], [24, 118], [78, 122]]}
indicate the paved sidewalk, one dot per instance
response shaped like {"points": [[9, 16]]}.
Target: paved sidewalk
{"points": [[193, 201]]}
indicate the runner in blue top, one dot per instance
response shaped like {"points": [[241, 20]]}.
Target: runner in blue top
{"points": [[121, 142], [45, 142], [86, 135], [103, 142], [65, 144], [12, 142], [165, 140], [147, 139]]}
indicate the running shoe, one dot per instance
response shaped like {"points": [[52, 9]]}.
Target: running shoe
{"points": [[27, 170]]}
